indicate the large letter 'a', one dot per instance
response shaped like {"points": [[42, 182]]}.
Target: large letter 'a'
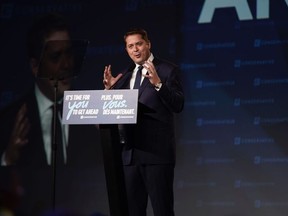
{"points": [[241, 6]]}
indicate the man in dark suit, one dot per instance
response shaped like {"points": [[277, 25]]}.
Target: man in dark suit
{"points": [[26, 128], [149, 146], [33, 112]]}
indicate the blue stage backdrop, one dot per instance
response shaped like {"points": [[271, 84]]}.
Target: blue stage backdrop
{"points": [[232, 137]]}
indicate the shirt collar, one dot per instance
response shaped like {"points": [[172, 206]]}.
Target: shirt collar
{"points": [[43, 102], [151, 57]]}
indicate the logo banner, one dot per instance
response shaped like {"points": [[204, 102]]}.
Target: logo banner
{"points": [[100, 107]]}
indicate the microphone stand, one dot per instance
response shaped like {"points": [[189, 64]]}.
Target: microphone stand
{"points": [[54, 144]]}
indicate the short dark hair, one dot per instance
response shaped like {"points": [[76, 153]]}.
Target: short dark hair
{"points": [[139, 31], [41, 29]]}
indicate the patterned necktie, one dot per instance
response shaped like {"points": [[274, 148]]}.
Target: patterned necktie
{"points": [[138, 78]]}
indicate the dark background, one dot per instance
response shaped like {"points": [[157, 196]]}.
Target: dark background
{"points": [[232, 135]]}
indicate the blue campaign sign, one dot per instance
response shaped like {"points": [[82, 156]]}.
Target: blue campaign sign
{"points": [[100, 107]]}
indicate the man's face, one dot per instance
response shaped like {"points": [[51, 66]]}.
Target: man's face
{"points": [[56, 62], [137, 48]]}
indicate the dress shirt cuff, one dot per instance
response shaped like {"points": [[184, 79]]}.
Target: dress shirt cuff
{"points": [[158, 86]]}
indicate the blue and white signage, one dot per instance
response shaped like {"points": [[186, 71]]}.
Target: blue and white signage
{"points": [[100, 107]]}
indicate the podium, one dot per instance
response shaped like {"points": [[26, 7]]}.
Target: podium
{"points": [[108, 108], [114, 170]]}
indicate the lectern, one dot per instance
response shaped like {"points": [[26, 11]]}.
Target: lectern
{"points": [[114, 170], [108, 108]]}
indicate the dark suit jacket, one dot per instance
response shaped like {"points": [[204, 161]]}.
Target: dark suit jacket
{"points": [[152, 139], [84, 166]]}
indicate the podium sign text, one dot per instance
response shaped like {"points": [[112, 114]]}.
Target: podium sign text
{"points": [[100, 107]]}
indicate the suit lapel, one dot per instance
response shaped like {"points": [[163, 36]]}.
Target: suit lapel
{"points": [[34, 151], [143, 86], [146, 81]]}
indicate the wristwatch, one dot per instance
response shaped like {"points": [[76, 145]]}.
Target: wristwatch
{"points": [[158, 86]]}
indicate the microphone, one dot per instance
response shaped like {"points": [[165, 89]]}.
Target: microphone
{"points": [[112, 86]]}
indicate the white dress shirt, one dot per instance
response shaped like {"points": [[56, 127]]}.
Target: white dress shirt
{"points": [[144, 71]]}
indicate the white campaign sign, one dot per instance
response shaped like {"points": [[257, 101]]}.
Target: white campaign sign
{"points": [[100, 107]]}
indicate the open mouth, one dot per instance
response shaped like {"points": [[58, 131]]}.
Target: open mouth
{"points": [[138, 55]]}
